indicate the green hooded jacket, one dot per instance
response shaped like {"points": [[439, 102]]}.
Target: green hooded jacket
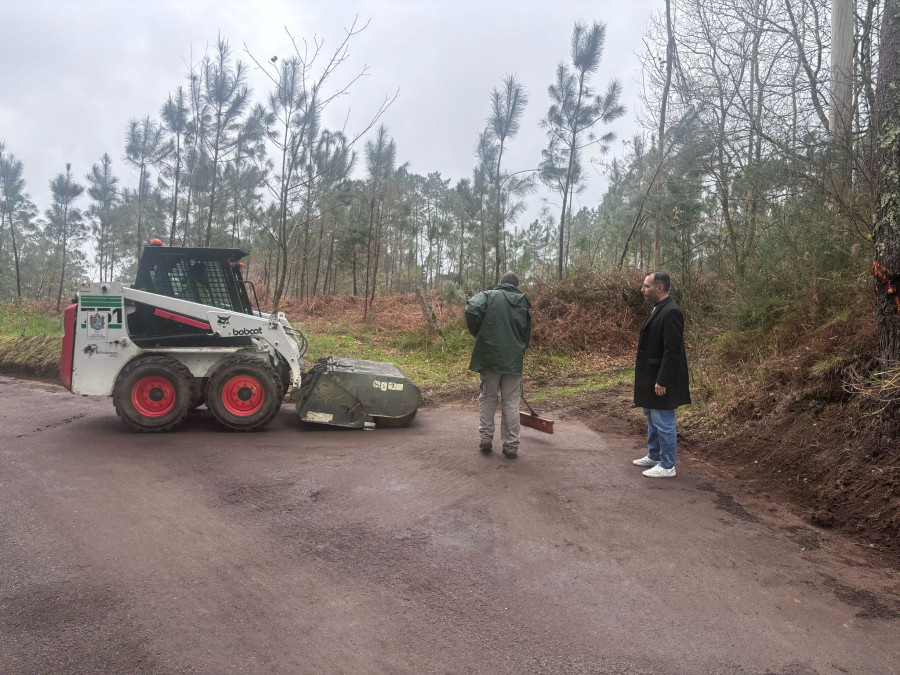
{"points": [[500, 320]]}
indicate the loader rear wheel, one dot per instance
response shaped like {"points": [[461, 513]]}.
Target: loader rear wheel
{"points": [[153, 394], [244, 393], [395, 422]]}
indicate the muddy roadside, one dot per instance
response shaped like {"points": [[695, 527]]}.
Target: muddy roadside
{"points": [[811, 458]]}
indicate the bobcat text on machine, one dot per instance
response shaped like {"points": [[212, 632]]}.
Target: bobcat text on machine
{"points": [[186, 333]]}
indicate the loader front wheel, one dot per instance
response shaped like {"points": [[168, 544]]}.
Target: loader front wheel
{"points": [[244, 393], [153, 394]]}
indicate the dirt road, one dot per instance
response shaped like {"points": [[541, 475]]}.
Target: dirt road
{"points": [[321, 550]]}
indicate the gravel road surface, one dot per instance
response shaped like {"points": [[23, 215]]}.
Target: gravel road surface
{"points": [[301, 549]]}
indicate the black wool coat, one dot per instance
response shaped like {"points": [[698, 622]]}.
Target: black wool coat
{"points": [[661, 359]]}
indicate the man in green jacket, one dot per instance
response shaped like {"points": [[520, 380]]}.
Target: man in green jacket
{"points": [[500, 320]]}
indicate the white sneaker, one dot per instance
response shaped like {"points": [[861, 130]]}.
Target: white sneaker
{"points": [[659, 472], [645, 461]]}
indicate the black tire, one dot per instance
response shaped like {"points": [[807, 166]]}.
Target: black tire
{"points": [[395, 422], [198, 392], [284, 376], [244, 393], [153, 394]]}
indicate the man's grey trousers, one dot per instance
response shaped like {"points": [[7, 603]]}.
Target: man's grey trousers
{"points": [[510, 388]]}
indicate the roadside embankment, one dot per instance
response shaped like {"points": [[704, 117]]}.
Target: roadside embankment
{"points": [[34, 357]]}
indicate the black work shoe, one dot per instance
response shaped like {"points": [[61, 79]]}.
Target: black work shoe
{"points": [[486, 446], [510, 454]]}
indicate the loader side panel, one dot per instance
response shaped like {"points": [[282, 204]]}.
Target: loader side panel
{"points": [[101, 346]]}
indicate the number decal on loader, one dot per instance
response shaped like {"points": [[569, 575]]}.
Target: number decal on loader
{"points": [[385, 385], [96, 307]]}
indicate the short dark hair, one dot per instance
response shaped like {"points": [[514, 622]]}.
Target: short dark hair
{"points": [[662, 279], [510, 278]]}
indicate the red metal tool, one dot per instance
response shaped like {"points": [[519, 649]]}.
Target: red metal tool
{"points": [[532, 421]]}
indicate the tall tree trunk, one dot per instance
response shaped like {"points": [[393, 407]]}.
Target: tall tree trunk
{"points": [[841, 117], [498, 225], [431, 321], [569, 180], [369, 236], [12, 235], [15, 248], [187, 210], [328, 265], [281, 265], [304, 257], [175, 190], [670, 57], [140, 227], [377, 256], [886, 231], [462, 243], [562, 215], [212, 190], [65, 245], [315, 288], [483, 251]]}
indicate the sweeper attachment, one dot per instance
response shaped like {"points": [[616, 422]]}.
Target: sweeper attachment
{"points": [[357, 393], [532, 421]]}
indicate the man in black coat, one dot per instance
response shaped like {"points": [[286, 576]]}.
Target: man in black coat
{"points": [[660, 375]]}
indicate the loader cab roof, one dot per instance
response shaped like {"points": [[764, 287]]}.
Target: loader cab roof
{"points": [[209, 276], [198, 253]]}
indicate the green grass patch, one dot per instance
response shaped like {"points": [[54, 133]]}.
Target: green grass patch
{"points": [[427, 360], [432, 361], [22, 320], [588, 384], [321, 346]]}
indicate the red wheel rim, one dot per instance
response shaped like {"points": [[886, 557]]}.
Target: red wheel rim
{"points": [[243, 395], [153, 396]]}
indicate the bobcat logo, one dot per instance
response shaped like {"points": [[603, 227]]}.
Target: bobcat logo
{"points": [[90, 350], [223, 320]]}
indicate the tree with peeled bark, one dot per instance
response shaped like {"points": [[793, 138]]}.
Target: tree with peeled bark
{"points": [[841, 118], [886, 230]]}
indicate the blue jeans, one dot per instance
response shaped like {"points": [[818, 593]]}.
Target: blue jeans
{"points": [[661, 436]]}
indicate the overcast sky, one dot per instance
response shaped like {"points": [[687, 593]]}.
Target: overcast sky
{"points": [[73, 72]]}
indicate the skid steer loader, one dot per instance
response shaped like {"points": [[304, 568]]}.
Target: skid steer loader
{"points": [[186, 333]]}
